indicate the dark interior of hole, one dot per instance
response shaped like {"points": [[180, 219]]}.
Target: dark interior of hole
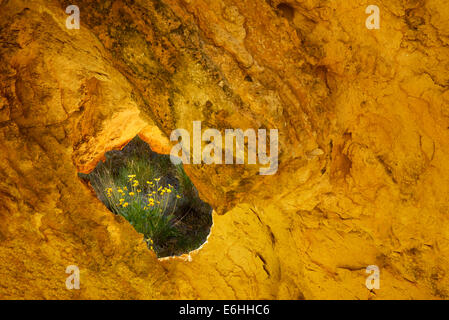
{"points": [[176, 220], [286, 10]]}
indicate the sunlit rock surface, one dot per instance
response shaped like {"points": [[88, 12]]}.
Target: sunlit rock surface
{"points": [[363, 120]]}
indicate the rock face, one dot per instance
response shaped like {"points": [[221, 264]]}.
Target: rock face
{"points": [[363, 120]]}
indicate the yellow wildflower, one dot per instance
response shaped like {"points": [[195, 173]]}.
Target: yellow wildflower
{"points": [[125, 204], [178, 196], [131, 194]]}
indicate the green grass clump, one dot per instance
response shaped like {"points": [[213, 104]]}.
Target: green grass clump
{"points": [[149, 207]]}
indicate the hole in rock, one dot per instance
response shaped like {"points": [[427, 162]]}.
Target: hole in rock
{"points": [[155, 196], [286, 11]]}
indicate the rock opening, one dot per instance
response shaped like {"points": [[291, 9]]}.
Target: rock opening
{"points": [[286, 10], [155, 196]]}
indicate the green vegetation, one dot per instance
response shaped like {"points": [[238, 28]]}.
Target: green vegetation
{"points": [[155, 196]]}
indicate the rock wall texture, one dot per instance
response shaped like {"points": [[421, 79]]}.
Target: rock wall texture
{"points": [[363, 120]]}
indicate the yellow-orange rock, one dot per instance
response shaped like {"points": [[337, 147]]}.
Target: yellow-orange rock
{"points": [[374, 102]]}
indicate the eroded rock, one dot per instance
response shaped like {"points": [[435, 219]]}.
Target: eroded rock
{"points": [[373, 102]]}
